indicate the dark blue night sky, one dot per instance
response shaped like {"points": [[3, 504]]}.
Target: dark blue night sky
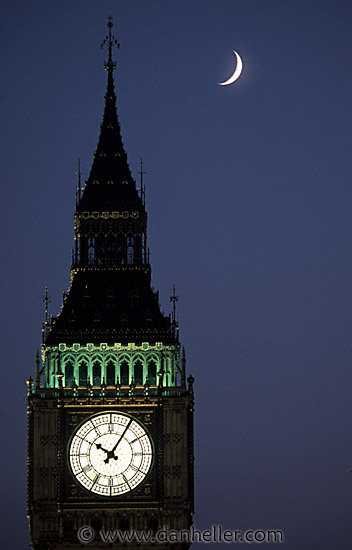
{"points": [[249, 196]]}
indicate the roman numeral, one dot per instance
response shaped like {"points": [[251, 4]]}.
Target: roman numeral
{"points": [[125, 480], [95, 481]]}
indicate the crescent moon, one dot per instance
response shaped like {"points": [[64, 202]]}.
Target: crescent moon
{"points": [[237, 72]]}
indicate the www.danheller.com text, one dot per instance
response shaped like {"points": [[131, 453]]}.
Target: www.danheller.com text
{"points": [[216, 533]]}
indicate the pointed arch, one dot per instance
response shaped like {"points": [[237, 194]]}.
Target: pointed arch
{"points": [[110, 357], [139, 357], [83, 357], [69, 358], [125, 357]]}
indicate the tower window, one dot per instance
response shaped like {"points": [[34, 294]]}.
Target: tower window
{"points": [[69, 374], [83, 373], [124, 374], [99, 250], [130, 249], [96, 374], [120, 249], [91, 250], [152, 373], [110, 248], [138, 373], [110, 374]]}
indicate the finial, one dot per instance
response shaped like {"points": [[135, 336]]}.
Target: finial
{"points": [[79, 187], [160, 381], [183, 365], [102, 387], [131, 391], [46, 300], [29, 383], [60, 376], [174, 299], [37, 371], [190, 381], [141, 173], [110, 41]]}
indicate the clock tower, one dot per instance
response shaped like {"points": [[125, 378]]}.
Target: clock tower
{"points": [[110, 412]]}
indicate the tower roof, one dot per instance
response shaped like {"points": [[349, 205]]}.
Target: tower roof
{"points": [[110, 298], [110, 181]]}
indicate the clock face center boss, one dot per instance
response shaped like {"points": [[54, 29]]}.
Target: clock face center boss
{"points": [[110, 454]]}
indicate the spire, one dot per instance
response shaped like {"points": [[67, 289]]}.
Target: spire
{"points": [[110, 275], [110, 184]]}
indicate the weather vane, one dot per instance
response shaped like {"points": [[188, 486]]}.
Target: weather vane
{"points": [[110, 41]]}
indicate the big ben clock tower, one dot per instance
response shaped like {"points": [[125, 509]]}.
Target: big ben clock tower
{"points": [[110, 412]]}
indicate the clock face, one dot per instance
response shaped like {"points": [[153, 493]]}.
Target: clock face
{"points": [[110, 454]]}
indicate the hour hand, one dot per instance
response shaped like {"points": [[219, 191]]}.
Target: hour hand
{"points": [[98, 446]]}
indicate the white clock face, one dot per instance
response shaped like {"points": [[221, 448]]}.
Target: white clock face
{"points": [[110, 454]]}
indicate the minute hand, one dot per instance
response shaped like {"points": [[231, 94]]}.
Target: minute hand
{"points": [[121, 436]]}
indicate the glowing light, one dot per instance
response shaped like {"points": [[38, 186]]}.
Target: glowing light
{"points": [[110, 454]]}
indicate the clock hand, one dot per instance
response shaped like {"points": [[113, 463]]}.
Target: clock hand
{"points": [[121, 436], [111, 454], [98, 446]]}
